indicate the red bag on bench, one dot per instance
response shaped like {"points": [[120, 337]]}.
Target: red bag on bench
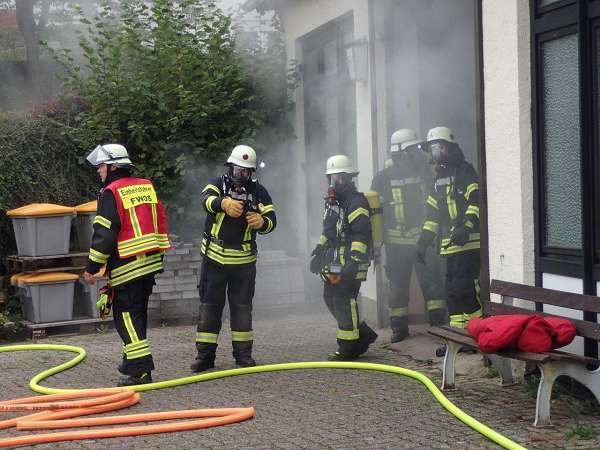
{"points": [[528, 333], [498, 332]]}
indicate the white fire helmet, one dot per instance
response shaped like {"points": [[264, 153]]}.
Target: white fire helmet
{"points": [[402, 139], [243, 156], [440, 134], [340, 164], [109, 154]]}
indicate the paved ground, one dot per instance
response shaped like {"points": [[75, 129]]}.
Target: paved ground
{"points": [[311, 408]]}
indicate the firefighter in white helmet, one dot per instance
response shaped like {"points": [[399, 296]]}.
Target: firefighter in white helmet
{"points": [[130, 234], [342, 257], [402, 188], [238, 208], [452, 219]]}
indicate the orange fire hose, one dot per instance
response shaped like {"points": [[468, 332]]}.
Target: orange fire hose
{"points": [[59, 410]]}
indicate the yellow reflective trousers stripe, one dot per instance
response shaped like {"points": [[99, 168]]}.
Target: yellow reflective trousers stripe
{"points": [[130, 328], [207, 338], [241, 336]]}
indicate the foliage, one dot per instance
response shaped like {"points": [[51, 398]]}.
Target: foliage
{"points": [[166, 79], [583, 432], [41, 160]]}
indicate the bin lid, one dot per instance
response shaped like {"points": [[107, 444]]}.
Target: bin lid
{"points": [[19, 278], [89, 207], [49, 277], [14, 279], [40, 209]]}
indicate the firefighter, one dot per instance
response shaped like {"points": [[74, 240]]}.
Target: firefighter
{"points": [[453, 218], [130, 234], [238, 208], [342, 258], [402, 188]]}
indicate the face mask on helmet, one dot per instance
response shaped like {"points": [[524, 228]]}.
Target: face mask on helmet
{"points": [[438, 151], [239, 174]]}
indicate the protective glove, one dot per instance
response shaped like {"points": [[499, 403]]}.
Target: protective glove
{"points": [[316, 263], [350, 270], [421, 248], [233, 208], [255, 220], [459, 236], [102, 302]]}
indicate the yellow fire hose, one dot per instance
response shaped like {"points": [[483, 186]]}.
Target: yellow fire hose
{"points": [[437, 394]]}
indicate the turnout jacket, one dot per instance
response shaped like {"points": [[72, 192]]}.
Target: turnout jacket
{"points": [[453, 202], [402, 189], [347, 231], [229, 241], [129, 230]]}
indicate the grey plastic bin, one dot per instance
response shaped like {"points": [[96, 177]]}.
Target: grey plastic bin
{"points": [[86, 296], [48, 297], [86, 213], [42, 229]]}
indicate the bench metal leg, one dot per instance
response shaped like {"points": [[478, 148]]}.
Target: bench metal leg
{"points": [[550, 372], [449, 365], [504, 368]]}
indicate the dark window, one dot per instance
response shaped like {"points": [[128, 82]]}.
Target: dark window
{"points": [[561, 142]]}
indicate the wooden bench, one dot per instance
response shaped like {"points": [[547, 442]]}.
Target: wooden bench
{"points": [[551, 364]]}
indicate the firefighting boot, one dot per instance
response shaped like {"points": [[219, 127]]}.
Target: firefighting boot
{"points": [[367, 337], [339, 356], [399, 328], [205, 359], [143, 378], [438, 317], [122, 365], [242, 352]]}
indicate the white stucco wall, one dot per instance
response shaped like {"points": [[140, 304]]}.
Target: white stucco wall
{"points": [[299, 18], [508, 139]]}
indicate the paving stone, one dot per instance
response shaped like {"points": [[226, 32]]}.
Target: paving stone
{"points": [[332, 408]]}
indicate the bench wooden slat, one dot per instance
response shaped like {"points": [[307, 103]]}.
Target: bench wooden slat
{"points": [[585, 329], [579, 302]]}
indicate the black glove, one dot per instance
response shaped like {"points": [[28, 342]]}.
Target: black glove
{"points": [[316, 263], [350, 270], [421, 250], [459, 236]]}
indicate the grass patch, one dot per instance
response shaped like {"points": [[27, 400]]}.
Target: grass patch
{"points": [[491, 372], [583, 432]]}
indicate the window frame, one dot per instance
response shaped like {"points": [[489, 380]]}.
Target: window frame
{"points": [[552, 22]]}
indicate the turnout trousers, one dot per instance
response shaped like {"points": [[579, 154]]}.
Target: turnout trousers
{"points": [[218, 283], [130, 314], [400, 260], [462, 287], [341, 301]]}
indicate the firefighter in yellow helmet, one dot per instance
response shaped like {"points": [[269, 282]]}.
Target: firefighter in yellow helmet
{"points": [[402, 188], [238, 208], [129, 237], [452, 220], [342, 257]]}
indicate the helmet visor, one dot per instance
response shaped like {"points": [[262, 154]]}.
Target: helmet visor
{"points": [[98, 156], [437, 150], [240, 174]]}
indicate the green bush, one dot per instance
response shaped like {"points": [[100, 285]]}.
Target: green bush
{"points": [[167, 80]]}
